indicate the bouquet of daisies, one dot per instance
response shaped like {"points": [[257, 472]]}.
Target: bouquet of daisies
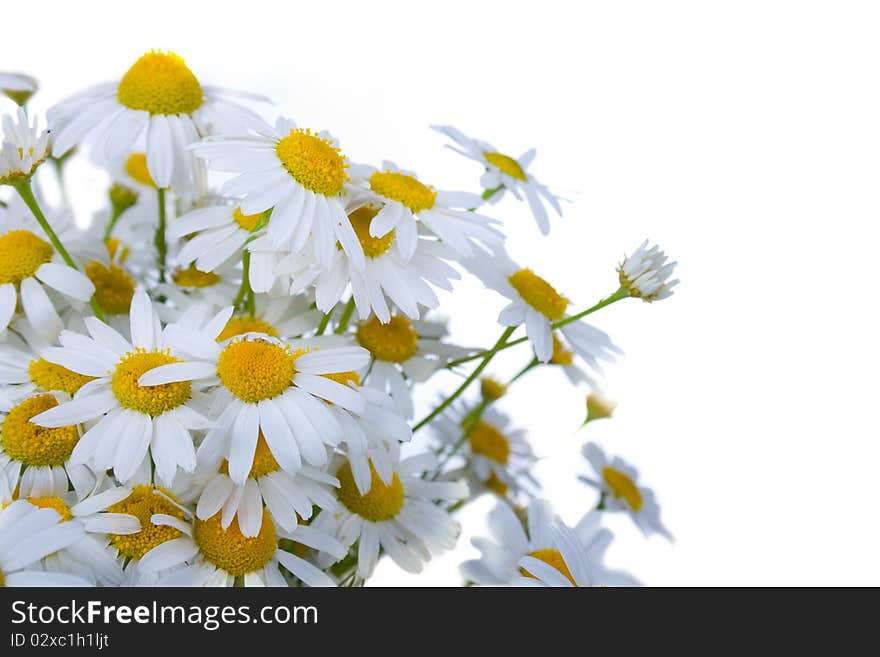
{"points": [[211, 384]]}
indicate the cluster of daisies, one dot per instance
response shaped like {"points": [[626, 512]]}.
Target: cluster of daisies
{"points": [[211, 383]]}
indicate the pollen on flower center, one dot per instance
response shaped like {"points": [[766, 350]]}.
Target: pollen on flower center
{"points": [[551, 558], [505, 164], [254, 370], [561, 355], [21, 254], [34, 445], [486, 440], [404, 189], [136, 167], [313, 161], [247, 324], [192, 277], [143, 503], [230, 550], [160, 83], [373, 246], [539, 294], [53, 502], [246, 221], [51, 377], [264, 462], [395, 342], [114, 287], [150, 400], [382, 502], [623, 487]]}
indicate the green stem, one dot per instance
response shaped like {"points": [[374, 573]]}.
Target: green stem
{"points": [[617, 296], [346, 316], [324, 321], [27, 195], [489, 193], [114, 217], [159, 239], [244, 290], [473, 376], [58, 163]]}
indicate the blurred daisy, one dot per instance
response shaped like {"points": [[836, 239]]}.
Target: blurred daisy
{"points": [[298, 173], [278, 317], [537, 304], [18, 86], [589, 347], [24, 148], [399, 518], [133, 418], [505, 173], [218, 556], [189, 286], [405, 199], [159, 102], [29, 535], [219, 233], [645, 274], [617, 484]]}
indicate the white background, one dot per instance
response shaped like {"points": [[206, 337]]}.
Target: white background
{"points": [[744, 137]]}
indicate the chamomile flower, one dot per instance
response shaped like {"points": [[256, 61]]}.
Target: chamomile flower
{"points": [[536, 303], [403, 353], [219, 233], [30, 534], [189, 285], [579, 364], [18, 87], [495, 452], [30, 267], [406, 200], [398, 517], [132, 418], [279, 317], [159, 102], [25, 147], [505, 173], [207, 554], [617, 483], [645, 274], [298, 173]]}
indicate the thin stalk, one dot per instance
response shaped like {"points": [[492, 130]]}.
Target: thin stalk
{"points": [[346, 317], [324, 321], [159, 238]]}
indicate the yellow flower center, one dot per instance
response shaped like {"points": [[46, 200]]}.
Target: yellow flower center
{"points": [[314, 162], [34, 445], [49, 376], [150, 400], [246, 221], [561, 355], [404, 189], [505, 164], [143, 503], [383, 502], [160, 83], [395, 342], [539, 294], [21, 254], [360, 221], [229, 550], [136, 167], [53, 502], [552, 558], [495, 484], [486, 440], [254, 370], [264, 462], [241, 325], [114, 287], [192, 277], [345, 378], [623, 487]]}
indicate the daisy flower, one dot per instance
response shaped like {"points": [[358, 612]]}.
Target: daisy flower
{"points": [[496, 453], [30, 534], [404, 352], [30, 267], [386, 274], [617, 484], [645, 274], [189, 285], [159, 102], [219, 233], [207, 554], [505, 173], [399, 517], [24, 148], [132, 418], [512, 554], [405, 200], [279, 317], [537, 304], [18, 87], [298, 173], [579, 364]]}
